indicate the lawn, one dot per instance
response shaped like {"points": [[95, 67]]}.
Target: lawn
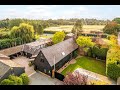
{"points": [[68, 28], [88, 64]]}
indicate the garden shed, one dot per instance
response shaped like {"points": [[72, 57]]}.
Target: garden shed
{"points": [[8, 67], [57, 54]]}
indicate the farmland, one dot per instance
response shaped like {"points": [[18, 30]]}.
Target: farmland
{"points": [[68, 28]]}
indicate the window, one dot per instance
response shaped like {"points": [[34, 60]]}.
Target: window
{"points": [[42, 60], [45, 70]]}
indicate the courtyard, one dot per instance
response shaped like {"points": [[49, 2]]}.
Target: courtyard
{"points": [[87, 63], [24, 62]]}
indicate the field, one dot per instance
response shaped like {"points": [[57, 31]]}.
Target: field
{"points": [[88, 64], [68, 28]]}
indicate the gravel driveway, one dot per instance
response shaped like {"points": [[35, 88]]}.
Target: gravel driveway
{"points": [[39, 78]]}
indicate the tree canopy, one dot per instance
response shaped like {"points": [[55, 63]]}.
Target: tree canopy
{"points": [[25, 31], [112, 28], [58, 37], [83, 41], [77, 28]]}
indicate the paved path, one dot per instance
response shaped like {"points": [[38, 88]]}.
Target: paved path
{"points": [[95, 76], [39, 78], [24, 62]]}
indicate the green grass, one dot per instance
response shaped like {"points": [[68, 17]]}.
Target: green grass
{"points": [[88, 64]]}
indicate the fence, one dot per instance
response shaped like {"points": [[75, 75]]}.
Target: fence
{"points": [[59, 76]]}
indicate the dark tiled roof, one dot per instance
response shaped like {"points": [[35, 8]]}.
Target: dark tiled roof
{"points": [[12, 50], [3, 69], [59, 51], [34, 47]]}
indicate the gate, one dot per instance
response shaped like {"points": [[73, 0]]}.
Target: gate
{"points": [[59, 76]]}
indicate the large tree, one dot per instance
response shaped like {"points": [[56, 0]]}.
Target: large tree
{"points": [[83, 41], [117, 20], [112, 28], [24, 31], [58, 37], [77, 28], [84, 44]]}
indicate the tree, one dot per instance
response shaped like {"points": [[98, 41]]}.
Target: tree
{"points": [[15, 22], [77, 28], [75, 78], [25, 31], [112, 28], [58, 37], [25, 79], [17, 80], [83, 41], [117, 20]]}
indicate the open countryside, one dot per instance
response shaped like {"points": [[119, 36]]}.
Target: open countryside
{"points": [[68, 28]]}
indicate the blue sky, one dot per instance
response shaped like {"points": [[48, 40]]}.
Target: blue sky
{"points": [[59, 11]]}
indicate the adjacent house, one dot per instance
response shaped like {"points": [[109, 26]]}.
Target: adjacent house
{"points": [[8, 67], [57, 55], [33, 48]]}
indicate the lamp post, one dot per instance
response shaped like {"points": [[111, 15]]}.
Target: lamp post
{"points": [[53, 71]]}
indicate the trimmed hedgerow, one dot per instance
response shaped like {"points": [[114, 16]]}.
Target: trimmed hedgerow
{"points": [[6, 43], [99, 52], [113, 63]]}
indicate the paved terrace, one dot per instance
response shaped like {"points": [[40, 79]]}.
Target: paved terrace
{"points": [[95, 76]]}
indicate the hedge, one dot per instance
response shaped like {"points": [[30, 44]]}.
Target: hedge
{"points": [[99, 52], [6, 43], [53, 32], [113, 63]]}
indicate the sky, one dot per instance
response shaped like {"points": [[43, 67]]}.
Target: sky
{"points": [[59, 11]]}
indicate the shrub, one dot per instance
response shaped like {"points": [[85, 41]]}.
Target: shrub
{"points": [[75, 79], [7, 82], [112, 63], [89, 53], [16, 80], [25, 79]]}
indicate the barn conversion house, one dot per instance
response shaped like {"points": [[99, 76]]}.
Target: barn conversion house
{"points": [[55, 56]]}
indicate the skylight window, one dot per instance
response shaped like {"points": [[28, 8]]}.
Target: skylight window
{"points": [[63, 53]]}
